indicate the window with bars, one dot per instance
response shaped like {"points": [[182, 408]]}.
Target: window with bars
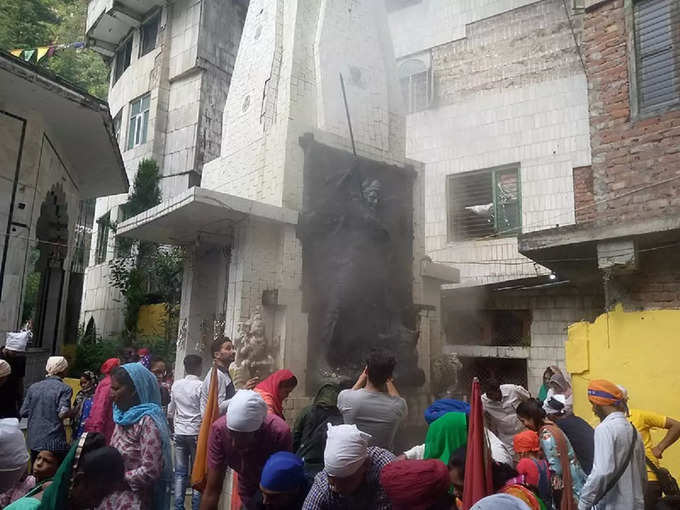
{"points": [[139, 120], [149, 34], [657, 52], [122, 59], [484, 203], [103, 228], [416, 85]]}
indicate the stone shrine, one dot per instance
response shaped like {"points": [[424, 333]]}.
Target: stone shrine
{"points": [[306, 254]]}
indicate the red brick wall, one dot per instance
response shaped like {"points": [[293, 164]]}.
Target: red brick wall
{"points": [[655, 285], [584, 199], [627, 153]]}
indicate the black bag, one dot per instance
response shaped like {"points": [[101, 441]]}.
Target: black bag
{"points": [[669, 485]]}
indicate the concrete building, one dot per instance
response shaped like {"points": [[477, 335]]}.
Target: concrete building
{"points": [[627, 232], [58, 153], [171, 66], [244, 228], [498, 113], [628, 228]]}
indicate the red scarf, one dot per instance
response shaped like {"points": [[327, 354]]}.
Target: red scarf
{"points": [[269, 389]]}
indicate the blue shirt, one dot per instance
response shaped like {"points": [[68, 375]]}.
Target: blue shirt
{"points": [[44, 403]]}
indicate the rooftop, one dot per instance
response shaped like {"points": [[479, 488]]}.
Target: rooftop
{"points": [[79, 122]]}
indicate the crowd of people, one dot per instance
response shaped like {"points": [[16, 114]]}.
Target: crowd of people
{"points": [[136, 440]]}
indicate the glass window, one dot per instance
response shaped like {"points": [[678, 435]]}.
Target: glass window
{"points": [[139, 120], [416, 85], [657, 44], [122, 59], [117, 120], [484, 204], [103, 226], [149, 34]]}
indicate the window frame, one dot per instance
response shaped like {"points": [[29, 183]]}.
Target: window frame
{"points": [[637, 111], [410, 102], [122, 49], [103, 232], [154, 17], [118, 124], [452, 237], [139, 122]]}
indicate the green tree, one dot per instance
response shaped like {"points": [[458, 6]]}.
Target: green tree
{"points": [[33, 23], [154, 272], [26, 23], [146, 193], [83, 67]]}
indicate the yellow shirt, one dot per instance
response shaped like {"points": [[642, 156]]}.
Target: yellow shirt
{"points": [[644, 421]]}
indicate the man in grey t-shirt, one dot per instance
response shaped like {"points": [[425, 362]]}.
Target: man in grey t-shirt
{"points": [[374, 404]]}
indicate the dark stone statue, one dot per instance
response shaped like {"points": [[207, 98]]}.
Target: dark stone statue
{"points": [[357, 263]]}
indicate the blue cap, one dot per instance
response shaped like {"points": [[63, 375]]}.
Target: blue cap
{"points": [[283, 472]]}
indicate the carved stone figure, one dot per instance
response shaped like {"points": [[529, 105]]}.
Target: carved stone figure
{"points": [[182, 335], [253, 351]]}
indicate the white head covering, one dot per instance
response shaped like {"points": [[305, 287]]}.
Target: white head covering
{"points": [[246, 411], [346, 450], [13, 452], [56, 365], [5, 369], [500, 502], [558, 398], [17, 341]]}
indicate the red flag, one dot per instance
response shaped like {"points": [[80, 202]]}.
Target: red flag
{"points": [[478, 476]]}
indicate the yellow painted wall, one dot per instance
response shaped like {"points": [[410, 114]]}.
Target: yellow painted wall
{"points": [[638, 350], [151, 320]]}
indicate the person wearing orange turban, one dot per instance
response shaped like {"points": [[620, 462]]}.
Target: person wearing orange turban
{"points": [[605, 393], [619, 475], [532, 465]]}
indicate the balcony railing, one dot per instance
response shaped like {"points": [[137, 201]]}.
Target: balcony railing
{"points": [[109, 21]]}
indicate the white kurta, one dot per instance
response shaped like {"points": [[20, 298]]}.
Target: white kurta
{"points": [[612, 442], [501, 417]]}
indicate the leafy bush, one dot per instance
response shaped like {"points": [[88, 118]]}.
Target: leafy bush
{"points": [[90, 356]]}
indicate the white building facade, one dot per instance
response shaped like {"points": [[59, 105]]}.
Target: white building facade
{"points": [[171, 66], [498, 114], [57, 155]]}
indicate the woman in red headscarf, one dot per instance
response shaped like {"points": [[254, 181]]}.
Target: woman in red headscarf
{"points": [[101, 416], [275, 389]]}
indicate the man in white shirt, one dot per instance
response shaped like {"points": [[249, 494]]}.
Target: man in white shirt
{"points": [[619, 475], [500, 402], [223, 354], [374, 404], [185, 411]]}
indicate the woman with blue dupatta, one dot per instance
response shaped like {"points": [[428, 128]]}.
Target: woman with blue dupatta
{"points": [[141, 434]]}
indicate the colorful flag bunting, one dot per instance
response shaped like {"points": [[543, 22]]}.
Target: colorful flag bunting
{"points": [[42, 51]]}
